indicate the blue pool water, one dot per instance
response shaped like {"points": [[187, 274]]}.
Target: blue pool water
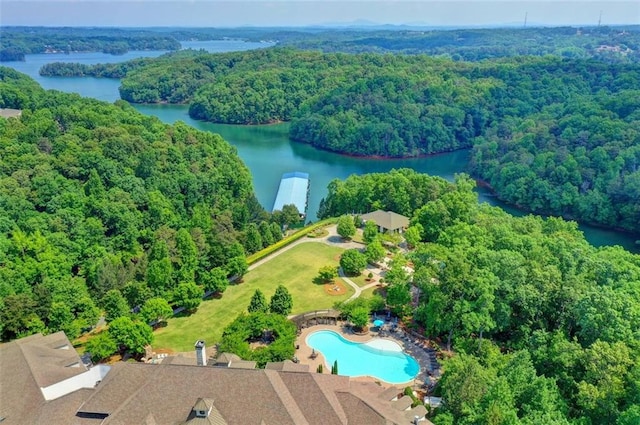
{"points": [[379, 358]]}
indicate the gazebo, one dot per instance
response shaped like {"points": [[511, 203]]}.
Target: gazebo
{"points": [[387, 221]]}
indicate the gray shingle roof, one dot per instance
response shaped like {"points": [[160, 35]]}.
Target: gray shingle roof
{"points": [[387, 219]]}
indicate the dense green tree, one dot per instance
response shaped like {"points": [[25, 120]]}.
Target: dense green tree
{"points": [[251, 327], [187, 256], [266, 233], [413, 234], [61, 318], [398, 298], [374, 251], [237, 266], [353, 262], [327, 274], [130, 335], [281, 302], [114, 305], [276, 232], [346, 227], [252, 239], [258, 303], [101, 346], [215, 280], [188, 295], [136, 293], [97, 198], [369, 232], [359, 317], [17, 316], [290, 215], [155, 310], [376, 303]]}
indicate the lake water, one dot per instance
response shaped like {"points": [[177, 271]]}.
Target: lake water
{"points": [[266, 150]]}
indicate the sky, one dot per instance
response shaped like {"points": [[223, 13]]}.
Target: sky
{"points": [[216, 13]]}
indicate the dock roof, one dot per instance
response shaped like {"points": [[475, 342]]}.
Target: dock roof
{"points": [[293, 190]]}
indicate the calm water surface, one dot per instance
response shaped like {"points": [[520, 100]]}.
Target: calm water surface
{"points": [[266, 150]]}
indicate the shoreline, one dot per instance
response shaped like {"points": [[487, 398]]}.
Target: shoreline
{"points": [[486, 185]]}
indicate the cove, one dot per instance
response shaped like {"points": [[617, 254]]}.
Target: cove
{"points": [[267, 150], [268, 153]]}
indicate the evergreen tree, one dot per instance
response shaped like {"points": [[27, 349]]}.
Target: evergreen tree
{"points": [[281, 301], [258, 303]]}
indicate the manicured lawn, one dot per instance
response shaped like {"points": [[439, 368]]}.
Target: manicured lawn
{"points": [[294, 269], [368, 293]]}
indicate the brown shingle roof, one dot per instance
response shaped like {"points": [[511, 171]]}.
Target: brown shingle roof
{"points": [[287, 366], [33, 362], [136, 393], [51, 358]]}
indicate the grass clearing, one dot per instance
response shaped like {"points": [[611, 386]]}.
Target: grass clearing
{"points": [[369, 292], [295, 269]]}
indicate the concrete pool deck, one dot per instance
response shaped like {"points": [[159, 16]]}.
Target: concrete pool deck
{"points": [[304, 353]]}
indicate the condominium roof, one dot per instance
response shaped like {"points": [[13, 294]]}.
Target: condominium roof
{"points": [[169, 393]]}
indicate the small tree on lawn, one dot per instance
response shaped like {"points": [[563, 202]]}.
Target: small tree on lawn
{"points": [[370, 232], [281, 301], [155, 310], [258, 303], [345, 227], [327, 274], [188, 295], [359, 317], [353, 262], [215, 280], [374, 251]]}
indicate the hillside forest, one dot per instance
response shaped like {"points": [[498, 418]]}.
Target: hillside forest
{"points": [[545, 327], [551, 135], [103, 208], [16, 42]]}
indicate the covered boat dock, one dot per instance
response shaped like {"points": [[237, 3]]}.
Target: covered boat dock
{"points": [[294, 189]]}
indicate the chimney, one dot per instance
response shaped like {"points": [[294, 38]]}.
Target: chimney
{"points": [[201, 353], [416, 419]]}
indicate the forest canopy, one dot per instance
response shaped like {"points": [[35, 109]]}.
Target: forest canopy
{"points": [[545, 327], [102, 208]]}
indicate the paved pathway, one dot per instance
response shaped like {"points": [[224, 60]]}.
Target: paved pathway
{"points": [[333, 239]]}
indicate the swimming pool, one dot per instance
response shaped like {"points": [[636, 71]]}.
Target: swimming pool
{"points": [[380, 358]]}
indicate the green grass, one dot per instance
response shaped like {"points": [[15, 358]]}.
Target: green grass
{"points": [[368, 293], [294, 269], [361, 279]]}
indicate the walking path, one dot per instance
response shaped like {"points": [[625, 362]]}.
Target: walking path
{"points": [[333, 239]]}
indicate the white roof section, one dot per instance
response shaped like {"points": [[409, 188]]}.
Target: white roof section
{"points": [[294, 189]]}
